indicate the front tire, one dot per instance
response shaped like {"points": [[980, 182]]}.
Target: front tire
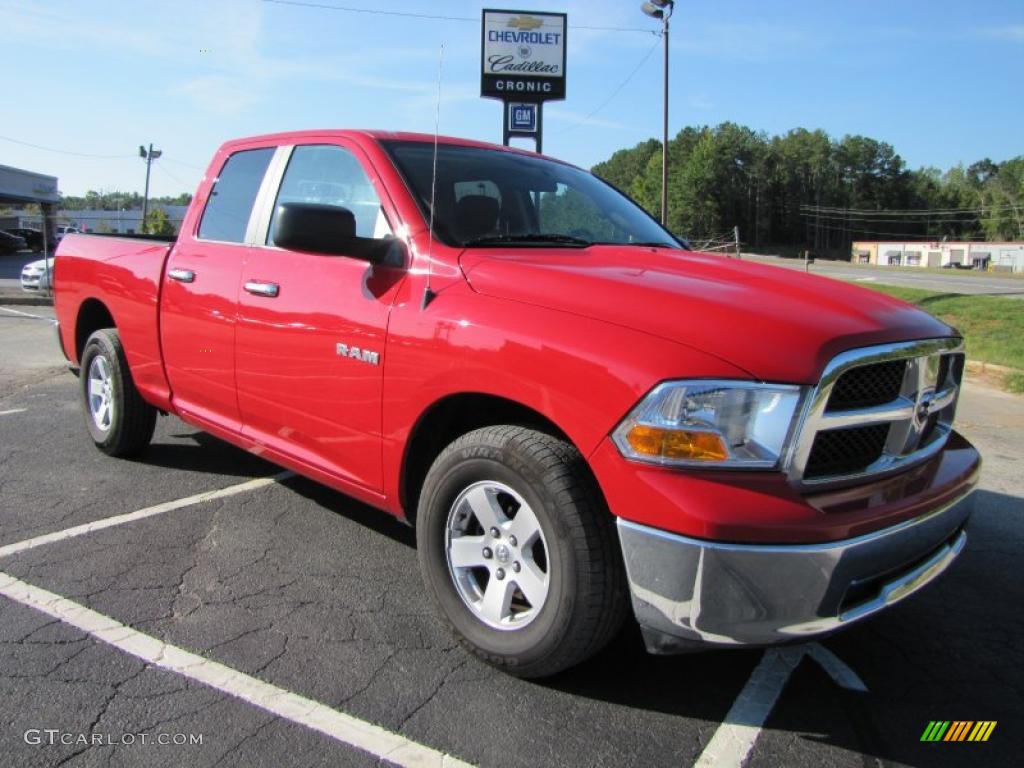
{"points": [[120, 422], [518, 550]]}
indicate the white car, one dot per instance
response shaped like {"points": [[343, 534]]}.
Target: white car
{"points": [[61, 231], [36, 278]]}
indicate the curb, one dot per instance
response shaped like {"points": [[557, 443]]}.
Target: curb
{"points": [[25, 299], [997, 376]]}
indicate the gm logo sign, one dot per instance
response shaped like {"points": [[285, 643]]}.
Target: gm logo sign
{"points": [[522, 117]]}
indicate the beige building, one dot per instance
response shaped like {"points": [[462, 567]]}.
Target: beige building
{"points": [[994, 257]]}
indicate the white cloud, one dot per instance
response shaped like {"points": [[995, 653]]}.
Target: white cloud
{"points": [[1013, 33], [220, 94], [750, 41]]}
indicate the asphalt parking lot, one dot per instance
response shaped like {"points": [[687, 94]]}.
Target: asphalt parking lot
{"points": [[280, 623]]}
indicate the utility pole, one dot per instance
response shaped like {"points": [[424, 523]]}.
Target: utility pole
{"points": [[736, 237], [149, 157], [662, 9], [664, 133]]}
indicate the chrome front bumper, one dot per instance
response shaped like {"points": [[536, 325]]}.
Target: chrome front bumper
{"points": [[690, 594]]}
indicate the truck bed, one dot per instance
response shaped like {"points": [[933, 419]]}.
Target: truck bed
{"points": [[123, 273]]}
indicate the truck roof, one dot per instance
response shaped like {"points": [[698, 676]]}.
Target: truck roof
{"points": [[287, 137]]}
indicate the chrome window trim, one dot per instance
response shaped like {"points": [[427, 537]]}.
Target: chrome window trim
{"points": [[263, 209], [920, 390]]}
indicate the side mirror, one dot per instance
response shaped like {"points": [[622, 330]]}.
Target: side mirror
{"points": [[331, 230], [316, 228]]}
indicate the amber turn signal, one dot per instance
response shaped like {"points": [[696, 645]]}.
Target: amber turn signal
{"points": [[676, 444]]}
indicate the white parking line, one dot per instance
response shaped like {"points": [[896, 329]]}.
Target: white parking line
{"points": [[734, 739], [159, 509], [373, 739], [26, 314], [13, 410]]}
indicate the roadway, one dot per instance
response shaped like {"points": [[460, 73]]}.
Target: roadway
{"points": [[947, 281]]}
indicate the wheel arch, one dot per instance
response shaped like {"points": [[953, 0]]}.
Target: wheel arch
{"points": [[449, 418], [92, 315]]}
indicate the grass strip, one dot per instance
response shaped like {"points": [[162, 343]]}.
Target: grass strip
{"points": [[992, 326]]}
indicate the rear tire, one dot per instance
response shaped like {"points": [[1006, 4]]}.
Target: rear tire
{"points": [[120, 422], [518, 551]]}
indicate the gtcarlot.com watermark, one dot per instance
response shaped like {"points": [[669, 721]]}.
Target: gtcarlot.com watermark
{"points": [[54, 736]]}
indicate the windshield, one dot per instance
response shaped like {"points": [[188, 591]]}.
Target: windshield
{"points": [[486, 197]]}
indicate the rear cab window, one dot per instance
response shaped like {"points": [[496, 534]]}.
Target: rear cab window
{"points": [[227, 213]]}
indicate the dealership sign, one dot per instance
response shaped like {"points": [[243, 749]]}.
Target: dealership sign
{"points": [[523, 56]]}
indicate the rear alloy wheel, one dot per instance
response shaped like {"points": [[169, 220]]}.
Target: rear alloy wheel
{"points": [[120, 422], [518, 550]]}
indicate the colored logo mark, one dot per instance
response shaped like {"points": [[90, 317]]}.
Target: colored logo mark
{"points": [[958, 730], [528, 23]]}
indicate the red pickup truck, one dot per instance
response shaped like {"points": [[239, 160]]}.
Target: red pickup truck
{"points": [[572, 408]]}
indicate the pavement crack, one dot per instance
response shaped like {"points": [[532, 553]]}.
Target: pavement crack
{"points": [[248, 737], [433, 694]]}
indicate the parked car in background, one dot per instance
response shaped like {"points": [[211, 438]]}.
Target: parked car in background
{"points": [[36, 278], [33, 237], [61, 231], [11, 243]]}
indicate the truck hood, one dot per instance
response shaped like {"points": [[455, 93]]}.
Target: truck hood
{"points": [[777, 324]]}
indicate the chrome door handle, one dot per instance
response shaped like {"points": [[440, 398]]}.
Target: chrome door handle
{"points": [[263, 289], [182, 275]]}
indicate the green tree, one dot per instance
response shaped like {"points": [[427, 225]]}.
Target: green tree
{"points": [[805, 189], [157, 223]]}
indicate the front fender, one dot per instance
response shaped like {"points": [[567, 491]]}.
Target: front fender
{"points": [[582, 374]]}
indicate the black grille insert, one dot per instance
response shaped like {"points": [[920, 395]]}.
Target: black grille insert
{"points": [[868, 385], [846, 451]]}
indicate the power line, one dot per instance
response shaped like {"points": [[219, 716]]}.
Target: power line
{"points": [[187, 165], [910, 212], [172, 176], [923, 237], [432, 16], [616, 92], [923, 222], [64, 151], [89, 154]]}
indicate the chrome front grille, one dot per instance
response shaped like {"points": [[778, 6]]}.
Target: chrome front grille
{"points": [[878, 410]]}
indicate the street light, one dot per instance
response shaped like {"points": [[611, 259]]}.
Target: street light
{"points": [[149, 157], [662, 9]]}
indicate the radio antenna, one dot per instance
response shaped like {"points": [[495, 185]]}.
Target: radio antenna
{"points": [[428, 292]]}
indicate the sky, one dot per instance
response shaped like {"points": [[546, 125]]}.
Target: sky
{"points": [[942, 81]]}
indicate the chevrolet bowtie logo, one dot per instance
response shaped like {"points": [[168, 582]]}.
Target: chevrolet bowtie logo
{"points": [[526, 23]]}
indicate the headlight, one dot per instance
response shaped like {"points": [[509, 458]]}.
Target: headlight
{"points": [[730, 424]]}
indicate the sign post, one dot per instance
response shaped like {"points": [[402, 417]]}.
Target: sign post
{"points": [[522, 60]]}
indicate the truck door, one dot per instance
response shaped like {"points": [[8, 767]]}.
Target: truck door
{"points": [[199, 298], [311, 332]]}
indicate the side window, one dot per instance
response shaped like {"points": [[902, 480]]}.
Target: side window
{"points": [[330, 175], [227, 213]]}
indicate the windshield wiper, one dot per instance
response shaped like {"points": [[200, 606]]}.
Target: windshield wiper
{"points": [[528, 240], [647, 244]]}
